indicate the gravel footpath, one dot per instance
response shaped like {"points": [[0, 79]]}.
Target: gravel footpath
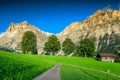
{"points": [[51, 74]]}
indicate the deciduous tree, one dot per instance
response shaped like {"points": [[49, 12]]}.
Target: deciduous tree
{"points": [[29, 42], [86, 48], [52, 45], [68, 46]]}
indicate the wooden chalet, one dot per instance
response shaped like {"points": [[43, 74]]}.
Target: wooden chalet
{"points": [[107, 57]]}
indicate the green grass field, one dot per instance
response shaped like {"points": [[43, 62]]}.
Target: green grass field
{"points": [[26, 67], [75, 73], [21, 67]]}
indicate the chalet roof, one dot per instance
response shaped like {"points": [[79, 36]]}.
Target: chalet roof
{"points": [[107, 55]]}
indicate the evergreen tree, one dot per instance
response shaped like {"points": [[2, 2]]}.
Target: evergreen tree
{"points": [[86, 48], [68, 46], [52, 45], [29, 43]]}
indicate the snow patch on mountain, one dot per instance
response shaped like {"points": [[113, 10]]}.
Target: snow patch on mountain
{"points": [[47, 33], [1, 34]]}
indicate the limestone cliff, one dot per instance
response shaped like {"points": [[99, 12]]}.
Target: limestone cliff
{"points": [[102, 26], [13, 36]]}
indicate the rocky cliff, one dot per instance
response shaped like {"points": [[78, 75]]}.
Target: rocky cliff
{"points": [[103, 27], [13, 36]]}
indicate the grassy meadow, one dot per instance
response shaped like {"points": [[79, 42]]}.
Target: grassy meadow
{"points": [[75, 73], [21, 66], [26, 67]]}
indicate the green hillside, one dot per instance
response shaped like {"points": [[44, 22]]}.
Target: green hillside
{"points": [[26, 67]]}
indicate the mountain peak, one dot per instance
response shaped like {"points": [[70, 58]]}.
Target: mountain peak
{"points": [[18, 26], [13, 36], [106, 13], [24, 22]]}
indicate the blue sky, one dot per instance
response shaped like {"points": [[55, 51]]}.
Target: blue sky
{"points": [[49, 15]]}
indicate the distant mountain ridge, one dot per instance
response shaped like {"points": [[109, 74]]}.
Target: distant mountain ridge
{"points": [[103, 27]]}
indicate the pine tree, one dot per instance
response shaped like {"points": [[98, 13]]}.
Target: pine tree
{"points": [[29, 43]]}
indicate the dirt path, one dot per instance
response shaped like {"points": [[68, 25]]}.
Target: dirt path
{"points": [[51, 74]]}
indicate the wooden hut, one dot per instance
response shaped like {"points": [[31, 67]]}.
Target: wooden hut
{"points": [[108, 57]]}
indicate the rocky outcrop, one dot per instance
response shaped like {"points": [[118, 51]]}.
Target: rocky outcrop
{"points": [[101, 26], [13, 36]]}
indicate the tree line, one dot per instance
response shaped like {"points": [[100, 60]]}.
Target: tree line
{"points": [[85, 47]]}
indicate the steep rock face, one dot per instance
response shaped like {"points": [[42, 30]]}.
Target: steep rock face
{"points": [[13, 36], [101, 26]]}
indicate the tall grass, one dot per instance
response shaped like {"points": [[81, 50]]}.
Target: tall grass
{"points": [[21, 67]]}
